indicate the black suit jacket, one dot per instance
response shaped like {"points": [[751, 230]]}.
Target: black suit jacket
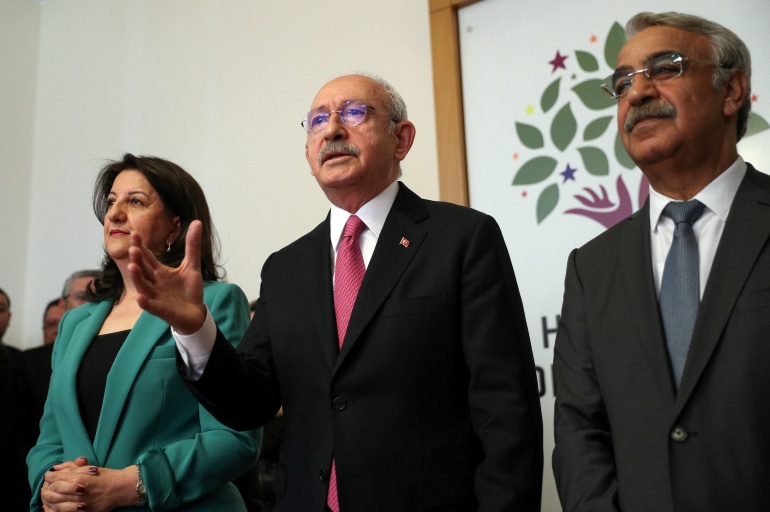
{"points": [[36, 375], [13, 485], [625, 440], [431, 403]]}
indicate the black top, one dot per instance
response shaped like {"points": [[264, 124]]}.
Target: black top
{"points": [[92, 376]]}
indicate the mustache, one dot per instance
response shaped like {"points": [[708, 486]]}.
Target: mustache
{"points": [[337, 147], [645, 111]]}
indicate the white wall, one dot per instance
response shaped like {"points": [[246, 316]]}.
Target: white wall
{"points": [[19, 40], [218, 87]]}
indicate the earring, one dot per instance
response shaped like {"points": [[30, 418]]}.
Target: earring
{"points": [[168, 246]]}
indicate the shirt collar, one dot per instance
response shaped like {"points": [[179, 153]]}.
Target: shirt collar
{"points": [[717, 196], [372, 213]]}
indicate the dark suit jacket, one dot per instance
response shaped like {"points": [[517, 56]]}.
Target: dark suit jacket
{"points": [[13, 486], [624, 439], [36, 375], [431, 403]]}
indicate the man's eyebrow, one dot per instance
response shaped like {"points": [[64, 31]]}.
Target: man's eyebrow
{"points": [[647, 59], [343, 103]]}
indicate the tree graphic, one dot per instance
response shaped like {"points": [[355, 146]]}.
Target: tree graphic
{"points": [[565, 134]]}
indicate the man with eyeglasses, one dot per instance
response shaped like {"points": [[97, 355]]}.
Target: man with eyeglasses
{"points": [[51, 318], [13, 485], [35, 374], [428, 399], [36, 362], [662, 350], [74, 291]]}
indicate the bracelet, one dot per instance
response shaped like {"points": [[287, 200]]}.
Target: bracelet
{"points": [[141, 491]]}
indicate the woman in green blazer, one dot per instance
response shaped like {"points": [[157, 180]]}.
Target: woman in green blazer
{"points": [[120, 429]]}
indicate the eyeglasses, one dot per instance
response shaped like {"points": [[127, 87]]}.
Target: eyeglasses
{"points": [[352, 113], [660, 69]]}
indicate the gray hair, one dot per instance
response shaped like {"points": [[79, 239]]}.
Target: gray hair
{"points": [[396, 107], [726, 48], [67, 289]]}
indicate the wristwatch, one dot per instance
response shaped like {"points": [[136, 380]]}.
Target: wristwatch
{"points": [[141, 492]]}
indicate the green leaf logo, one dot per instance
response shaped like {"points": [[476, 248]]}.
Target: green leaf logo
{"points": [[564, 127], [616, 38], [597, 127], [536, 170], [587, 61], [529, 136], [547, 201], [564, 130], [755, 125], [566, 135], [550, 95], [595, 161]]}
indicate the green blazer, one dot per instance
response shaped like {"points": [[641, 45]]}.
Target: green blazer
{"points": [[148, 417]]}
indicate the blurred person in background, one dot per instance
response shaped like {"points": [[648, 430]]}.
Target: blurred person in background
{"points": [[51, 318], [13, 487], [74, 291]]}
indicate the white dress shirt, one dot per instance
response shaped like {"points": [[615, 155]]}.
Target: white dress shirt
{"points": [[717, 197], [196, 348], [372, 213]]}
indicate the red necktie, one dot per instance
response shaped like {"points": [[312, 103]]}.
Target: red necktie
{"points": [[348, 275]]}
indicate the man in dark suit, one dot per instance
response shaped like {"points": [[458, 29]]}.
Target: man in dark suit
{"points": [[36, 362], [36, 372], [13, 486], [662, 400], [431, 402]]}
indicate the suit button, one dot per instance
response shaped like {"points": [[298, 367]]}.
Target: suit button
{"points": [[679, 434], [323, 475], [339, 403]]}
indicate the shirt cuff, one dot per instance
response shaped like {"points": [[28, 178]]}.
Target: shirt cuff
{"points": [[196, 348]]}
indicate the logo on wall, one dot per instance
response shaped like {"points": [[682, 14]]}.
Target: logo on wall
{"points": [[582, 142]]}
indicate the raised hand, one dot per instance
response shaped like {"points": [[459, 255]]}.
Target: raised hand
{"points": [[172, 294]]}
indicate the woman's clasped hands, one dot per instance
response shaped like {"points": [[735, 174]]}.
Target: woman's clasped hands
{"points": [[77, 485]]}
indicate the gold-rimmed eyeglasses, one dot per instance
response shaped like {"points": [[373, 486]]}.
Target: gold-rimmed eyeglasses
{"points": [[352, 113]]}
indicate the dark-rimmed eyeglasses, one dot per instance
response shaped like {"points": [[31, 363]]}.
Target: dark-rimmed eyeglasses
{"points": [[660, 69], [352, 113]]}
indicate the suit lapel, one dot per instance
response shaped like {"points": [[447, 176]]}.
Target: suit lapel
{"points": [[319, 293], [390, 259], [745, 235], [639, 284], [82, 337], [129, 361]]}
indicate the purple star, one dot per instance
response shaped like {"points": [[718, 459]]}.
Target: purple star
{"points": [[558, 61], [568, 173]]}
